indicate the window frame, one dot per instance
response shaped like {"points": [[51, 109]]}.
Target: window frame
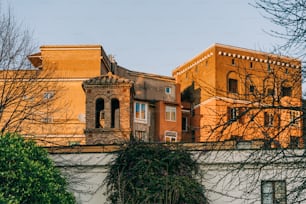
{"points": [[170, 136], [294, 118], [286, 91], [294, 142], [141, 119], [273, 193], [168, 90], [47, 120], [270, 92], [170, 109], [269, 68], [48, 95], [232, 113], [252, 88], [232, 85], [184, 124], [268, 119]]}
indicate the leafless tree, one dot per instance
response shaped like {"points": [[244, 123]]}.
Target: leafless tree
{"points": [[265, 114], [256, 124], [290, 17], [26, 93]]}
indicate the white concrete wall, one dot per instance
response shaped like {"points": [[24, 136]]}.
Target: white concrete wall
{"points": [[229, 176]]}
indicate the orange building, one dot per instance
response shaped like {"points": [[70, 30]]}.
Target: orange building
{"points": [[99, 101], [67, 67], [231, 93], [224, 93]]}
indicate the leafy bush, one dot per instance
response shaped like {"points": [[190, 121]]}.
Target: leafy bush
{"points": [[27, 175], [153, 173]]}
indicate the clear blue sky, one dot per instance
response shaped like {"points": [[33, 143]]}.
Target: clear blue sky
{"points": [[149, 36]]}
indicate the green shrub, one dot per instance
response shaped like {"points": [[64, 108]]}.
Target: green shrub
{"points": [[153, 173], [27, 175]]}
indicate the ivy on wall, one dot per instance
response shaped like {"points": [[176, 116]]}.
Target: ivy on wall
{"points": [[154, 173]]}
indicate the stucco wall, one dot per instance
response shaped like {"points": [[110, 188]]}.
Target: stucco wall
{"points": [[232, 176]]}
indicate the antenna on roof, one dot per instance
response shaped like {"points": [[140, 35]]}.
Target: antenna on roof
{"points": [[113, 63]]}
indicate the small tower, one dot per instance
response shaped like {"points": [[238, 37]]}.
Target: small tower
{"points": [[109, 108]]}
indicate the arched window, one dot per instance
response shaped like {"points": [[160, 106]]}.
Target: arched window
{"points": [[115, 115], [100, 116], [269, 86]]}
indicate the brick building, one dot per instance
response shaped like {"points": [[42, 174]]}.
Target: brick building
{"points": [[102, 102], [231, 93], [224, 93]]}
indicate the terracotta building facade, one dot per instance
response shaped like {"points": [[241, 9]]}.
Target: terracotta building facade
{"points": [[224, 93], [238, 94], [101, 102]]}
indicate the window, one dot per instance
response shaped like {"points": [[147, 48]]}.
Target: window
{"points": [[269, 68], [294, 142], [170, 136], [286, 91], [48, 95], [232, 114], [47, 120], [170, 113], [270, 92], [168, 90], [184, 124], [233, 85], [294, 117], [233, 62], [252, 88], [273, 192], [251, 64], [268, 119], [140, 112], [28, 98]]}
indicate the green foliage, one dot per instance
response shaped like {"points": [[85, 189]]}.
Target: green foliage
{"points": [[153, 173], [27, 175], [7, 200]]}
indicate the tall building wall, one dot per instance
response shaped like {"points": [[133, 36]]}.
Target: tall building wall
{"points": [[242, 83], [227, 93], [66, 66], [72, 61]]}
